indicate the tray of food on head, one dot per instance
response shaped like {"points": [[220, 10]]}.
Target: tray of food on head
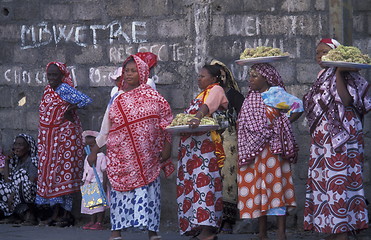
{"points": [[261, 55], [346, 57], [180, 124]]}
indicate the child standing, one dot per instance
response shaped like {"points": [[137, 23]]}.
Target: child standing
{"points": [[97, 214], [266, 147]]}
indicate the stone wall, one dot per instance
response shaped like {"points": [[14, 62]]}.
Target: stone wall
{"points": [[94, 37]]}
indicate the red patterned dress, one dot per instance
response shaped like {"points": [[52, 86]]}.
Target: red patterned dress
{"points": [[60, 147], [199, 184], [335, 201]]}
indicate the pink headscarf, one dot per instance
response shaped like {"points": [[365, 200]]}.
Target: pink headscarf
{"points": [[142, 69], [269, 73], [253, 130], [66, 74], [332, 43]]}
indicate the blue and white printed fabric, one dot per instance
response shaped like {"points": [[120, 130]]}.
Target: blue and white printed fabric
{"points": [[139, 208]]}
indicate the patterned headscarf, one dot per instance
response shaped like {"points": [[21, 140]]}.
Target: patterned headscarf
{"points": [[33, 147], [269, 73], [253, 129], [332, 43], [148, 57], [66, 74], [142, 69], [230, 81]]}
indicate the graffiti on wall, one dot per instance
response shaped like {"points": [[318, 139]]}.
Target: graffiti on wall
{"points": [[43, 33], [19, 76]]}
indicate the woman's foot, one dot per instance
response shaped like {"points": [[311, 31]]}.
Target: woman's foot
{"points": [[115, 235], [97, 226], [226, 228], [87, 226]]}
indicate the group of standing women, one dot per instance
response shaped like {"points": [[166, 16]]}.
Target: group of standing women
{"points": [[245, 169]]}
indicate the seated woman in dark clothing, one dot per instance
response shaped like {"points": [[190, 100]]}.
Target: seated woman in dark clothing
{"points": [[18, 185]]}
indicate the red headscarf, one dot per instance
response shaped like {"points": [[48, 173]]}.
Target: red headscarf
{"points": [[63, 68], [332, 43], [148, 57], [142, 69]]}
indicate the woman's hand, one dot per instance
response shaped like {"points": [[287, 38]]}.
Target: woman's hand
{"points": [[194, 122], [166, 152], [68, 114], [347, 69]]}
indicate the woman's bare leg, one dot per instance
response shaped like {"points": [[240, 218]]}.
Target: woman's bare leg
{"points": [[263, 235]]}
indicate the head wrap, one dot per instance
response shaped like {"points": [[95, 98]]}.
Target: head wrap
{"points": [[142, 69], [66, 74], [116, 74], [33, 147], [269, 73], [89, 133], [230, 81], [332, 43], [254, 132], [148, 57]]}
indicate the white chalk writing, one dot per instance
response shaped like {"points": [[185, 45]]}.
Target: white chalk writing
{"points": [[42, 34], [19, 76]]}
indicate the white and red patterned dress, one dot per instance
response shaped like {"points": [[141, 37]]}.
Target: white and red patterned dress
{"points": [[199, 183], [335, 200]]}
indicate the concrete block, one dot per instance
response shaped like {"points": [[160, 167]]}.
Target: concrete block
{"points": [[6, 99], [154, 8], [320, 5], [32, 120], [176, 99], [56, 12], [9, 32], [307, 72], [361, 5], [224, 7], [297, 90], [87, 11], [26, 56], [89, 55], [358, 23], [291, 25], [217, 25], [243, 25], [6, 54], [27, 10], [259, 5], [118, 8], [13, 119], [51, 53], [369, 23], [173, 28], [100, 76], [296, 5], [287, 72]]}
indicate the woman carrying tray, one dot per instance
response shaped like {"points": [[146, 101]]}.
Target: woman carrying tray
{"points": [[201, 155], [266, 147], [335, 106], [229, 170]]}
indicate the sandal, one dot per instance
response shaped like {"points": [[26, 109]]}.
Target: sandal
{"points": [[97, 226], [87, 226]]}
